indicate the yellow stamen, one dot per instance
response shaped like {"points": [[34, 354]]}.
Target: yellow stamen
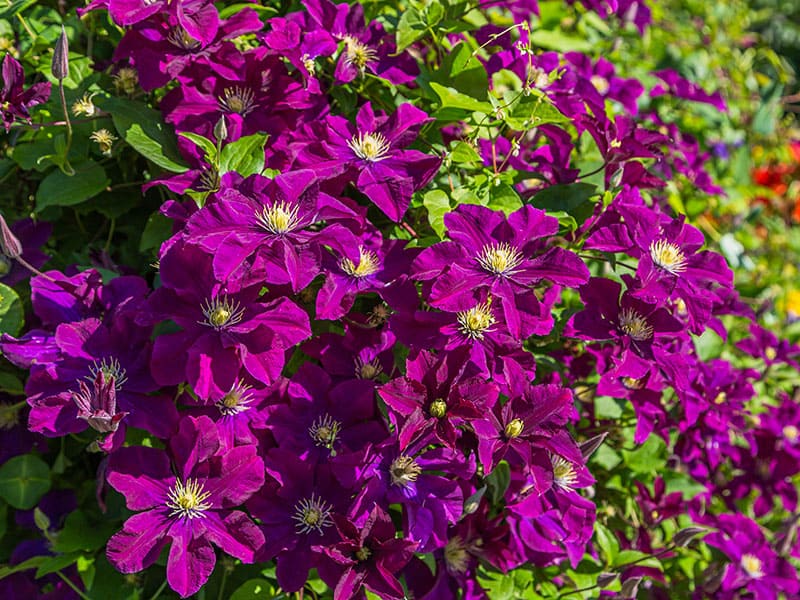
{"points": [[668, 256], [635, 325], [500, 259], [188, 499], [368, 264], [369, 146]]}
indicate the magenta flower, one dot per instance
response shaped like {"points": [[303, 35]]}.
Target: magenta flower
{"points": [[15, 102], [189, 508]]}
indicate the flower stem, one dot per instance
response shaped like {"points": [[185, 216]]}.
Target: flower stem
{"points": [[159, 590], [74, 587], [69, 170]]}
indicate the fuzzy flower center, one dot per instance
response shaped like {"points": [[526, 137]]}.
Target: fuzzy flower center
{"points": [[188, 499], [368, 264], [110, 367], [631, 383], [180, 37], [455, 555], [356, 54], [324, 431], [438, 408], [752, 565], [564, 475], [221, 313], [514, 428], [279, 218], [600, 83], [635, 325], [367, 370], [312, 514], [363, 554], [369, 146], [791, 433], [403, 470], [500, 259], [668, 256], [236, 400], [477, 320], [237, 100]]}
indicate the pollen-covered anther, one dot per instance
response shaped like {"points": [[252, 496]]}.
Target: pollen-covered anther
{"points": [[456, 557], [564, 474], [237, 100], [403, 470], [367, 369], [752, 565], [791, 433], [635, 325], [363, 554], [324, 431], [110, 367], [600, 83], [312, 514], [368, 264], [180, 37], [476, 321], [279, 218], [668, 256], [371, 147], [514, 428], [188, 499], [104, 139], [632, 383], [357, 54], [221, 312], [500, 259], [438, 408], [236, 400], [84, 107]]}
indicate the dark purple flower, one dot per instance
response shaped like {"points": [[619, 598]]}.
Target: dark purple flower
{"points": [[15, 102], [679, 87], [189, 508], [31, 236]]}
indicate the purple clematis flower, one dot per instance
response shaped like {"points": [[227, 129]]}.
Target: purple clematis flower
{"points": [[15, 102], [189, 508], [366, 556], [372, 152], [505, 257], [221, 329]]}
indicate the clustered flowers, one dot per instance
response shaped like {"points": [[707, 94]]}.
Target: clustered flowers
{"points": [[319, 391]]}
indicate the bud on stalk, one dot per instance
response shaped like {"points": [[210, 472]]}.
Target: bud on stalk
{"points": [[9, 243], [60, 65]]}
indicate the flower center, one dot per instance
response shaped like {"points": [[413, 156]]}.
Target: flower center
{"points": [[368, 264], [564, 475], [668, 256], [438, 408], [635, 325], [312, 514], [600, 83], [455, 555], [514, 428], [369, 146], [188, 499], [237, 400], [356, 54], [500, 259], [324, 431], [126, 80], [477, 320], [180, 37], [403, 470], [363, 553], [720, 398], [279, 218], [752, 565], [791, 433], [631, 383], [221, 313], [237, 100], [367, 370], [110, 367]]}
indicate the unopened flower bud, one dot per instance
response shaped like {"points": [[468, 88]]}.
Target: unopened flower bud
{"points": [[589, 446], [41, 520], [60, 64], [605, 579], [221, 130], [630, 587], [9, 243], [684, 536]]}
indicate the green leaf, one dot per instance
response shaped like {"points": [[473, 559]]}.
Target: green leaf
{"points": [[642, 559], [24, 480], [157, 229], [143, 128], [503, 197], [463, 72], [650, 457], [533, 111], [56, 563], [15, 7], [60, 189], [497, 482], [3, 519], [462, 153], [437, 204], [573, 198], [11, 316], [606, 541], [451, 98], [245, 155], [559, 41], [252, 589], [80, 533], [410, 28], [205, 144]]}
